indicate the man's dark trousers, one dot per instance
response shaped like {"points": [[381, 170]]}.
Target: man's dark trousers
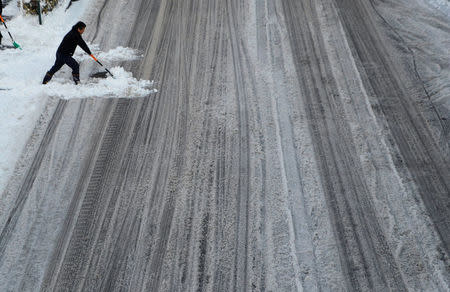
{"points": [[62, 59]]}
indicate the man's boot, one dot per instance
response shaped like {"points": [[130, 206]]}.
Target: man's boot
{"points": [[47, 78], [76, 78]]}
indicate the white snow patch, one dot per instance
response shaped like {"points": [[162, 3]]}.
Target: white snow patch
{"points": [[119, 54], [121, 85], [23, 97], [442, 5]]}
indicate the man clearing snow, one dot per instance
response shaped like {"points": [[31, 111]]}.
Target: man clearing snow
{"points": [[65, 51]]}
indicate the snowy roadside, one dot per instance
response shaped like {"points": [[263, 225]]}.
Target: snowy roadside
{"points": [[440, 5], [23, 97]]}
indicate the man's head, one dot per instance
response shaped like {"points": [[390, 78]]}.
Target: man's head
{"points": [[80, 26]]}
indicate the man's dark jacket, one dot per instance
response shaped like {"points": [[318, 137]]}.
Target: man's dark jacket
{"points": [[71, 41]]}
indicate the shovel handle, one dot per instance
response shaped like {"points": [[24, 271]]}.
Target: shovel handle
{"points": [[108, 72], [95, 59], [3, 21]]}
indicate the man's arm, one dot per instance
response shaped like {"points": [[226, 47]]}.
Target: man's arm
{"points": [[83, 45]]}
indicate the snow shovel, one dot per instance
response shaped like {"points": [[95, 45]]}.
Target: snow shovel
{"points": [[16, 45], [101, 74], [95, 59]]}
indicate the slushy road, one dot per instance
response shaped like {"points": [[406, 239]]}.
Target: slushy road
{"points": [[291, 147]]}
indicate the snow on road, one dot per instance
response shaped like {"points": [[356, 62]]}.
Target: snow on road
{"points": [[23, 97], [122, 84], [291, 146], [440, 5]]}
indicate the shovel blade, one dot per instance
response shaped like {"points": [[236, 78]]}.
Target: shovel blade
{"points": [[99, 75]]}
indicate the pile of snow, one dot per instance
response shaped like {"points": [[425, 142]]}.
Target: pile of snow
{"points": [[121, 85], [119, 54], [24, 80], [23, 97]]}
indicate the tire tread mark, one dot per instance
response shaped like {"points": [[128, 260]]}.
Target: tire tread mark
{"points": [[83, 235], [30, 177]]}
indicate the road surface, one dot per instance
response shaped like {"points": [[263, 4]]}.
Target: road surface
{"points": [[292, 146]]}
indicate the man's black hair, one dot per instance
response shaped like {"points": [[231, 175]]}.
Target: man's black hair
{"points": [[79, 25]]}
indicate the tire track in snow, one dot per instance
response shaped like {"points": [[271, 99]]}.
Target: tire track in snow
{"points": [[420, 154], [244, 173], [364, 251], [30, 177]]}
